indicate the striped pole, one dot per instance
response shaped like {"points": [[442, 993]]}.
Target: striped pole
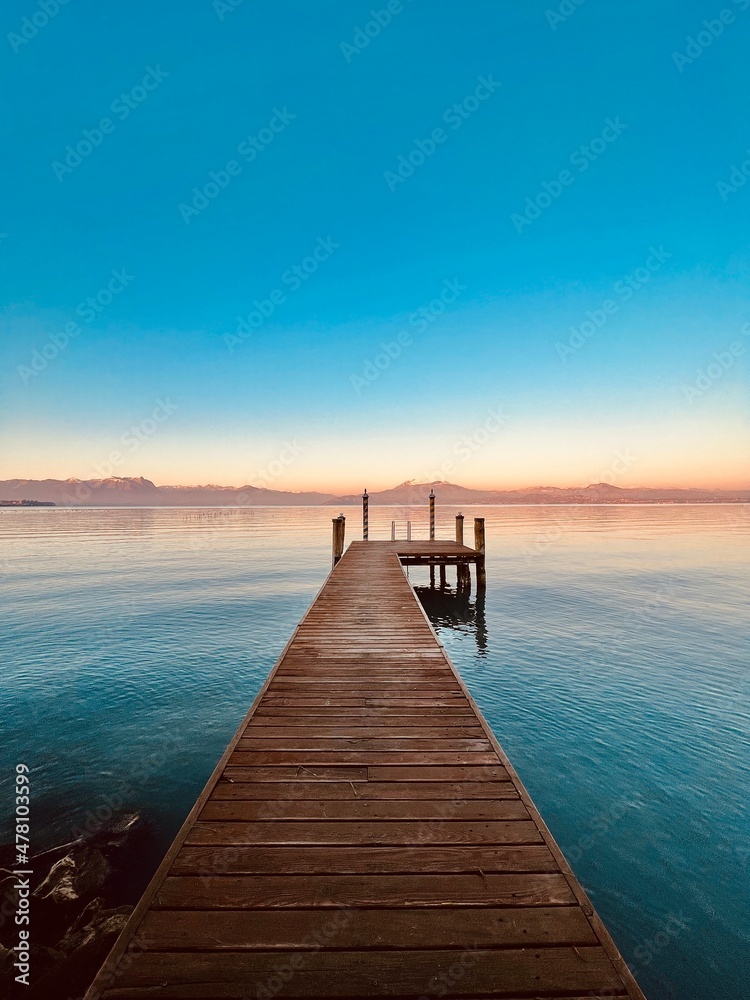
{"points": [[365, 516], [432, 515]]}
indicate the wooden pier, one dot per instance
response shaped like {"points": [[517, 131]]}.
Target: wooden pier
{"points": [[364, 834]]}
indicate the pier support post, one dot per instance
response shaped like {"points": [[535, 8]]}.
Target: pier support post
{"points": [[365, 516], [442, 576], [479, 545], [339, 525], [432, 515], [463, 573]]}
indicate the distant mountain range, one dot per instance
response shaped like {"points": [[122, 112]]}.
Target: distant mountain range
{"points": [[139, 492]]}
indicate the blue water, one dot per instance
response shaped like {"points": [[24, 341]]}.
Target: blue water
{"points": [[611, 660]]}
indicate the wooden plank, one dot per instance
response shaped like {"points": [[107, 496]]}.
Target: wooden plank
{"points": [[345, 860], [398, 723], [313, 758], [293, 773], [366, 833], [323, 973], [492, 772], [266, 930], [456, 701], [314, 742], [393, 714], [240, 783], [237, 809], [343, 732], [248, 892]]}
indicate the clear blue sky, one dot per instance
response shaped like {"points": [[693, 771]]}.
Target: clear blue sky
{"points": [[497, 389]]}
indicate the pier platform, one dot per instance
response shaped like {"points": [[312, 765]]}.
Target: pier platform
{"points": [[364, 834]]}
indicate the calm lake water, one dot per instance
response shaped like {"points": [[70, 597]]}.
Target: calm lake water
{"points": [[610, 658]]}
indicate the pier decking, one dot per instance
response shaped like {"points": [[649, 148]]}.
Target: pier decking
{"points": [[364, 834]]}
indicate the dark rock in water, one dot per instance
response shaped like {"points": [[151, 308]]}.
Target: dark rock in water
{"points": [[74, 911], [80, 954], [75, 876]]}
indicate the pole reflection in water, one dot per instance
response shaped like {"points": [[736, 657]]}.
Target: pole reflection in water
{"points": [[451, 609]]}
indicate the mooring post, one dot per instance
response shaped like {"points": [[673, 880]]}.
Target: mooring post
{"points": [[463, 574], [408, 531], [432, 515], [365, 516], [393, 531], [480, 547], [339, 525]]}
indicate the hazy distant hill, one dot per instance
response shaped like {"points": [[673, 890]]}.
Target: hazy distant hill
{"points": [[449, 493], [139, 492]]}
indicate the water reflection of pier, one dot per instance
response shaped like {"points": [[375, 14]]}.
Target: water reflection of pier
{"points": [[454, 609]]}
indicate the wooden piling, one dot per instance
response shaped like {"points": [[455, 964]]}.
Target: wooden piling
{"points": [[479, 545], [339, 526]]}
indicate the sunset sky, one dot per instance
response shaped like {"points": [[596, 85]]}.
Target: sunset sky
{"points": [[537, 216]]}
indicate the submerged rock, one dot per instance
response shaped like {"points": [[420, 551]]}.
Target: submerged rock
{"points": [[76, 889]]}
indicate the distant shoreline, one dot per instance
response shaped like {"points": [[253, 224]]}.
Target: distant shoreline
{"points": [[353, 506], [140, 492]]}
